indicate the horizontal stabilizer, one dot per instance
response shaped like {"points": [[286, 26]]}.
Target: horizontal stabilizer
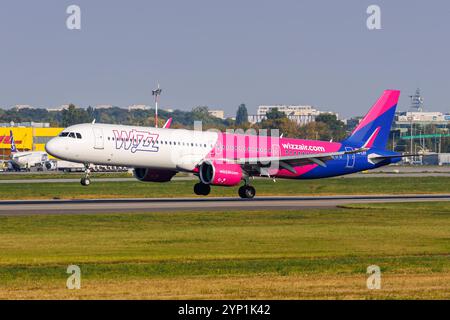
{"points": [[375, 158]]}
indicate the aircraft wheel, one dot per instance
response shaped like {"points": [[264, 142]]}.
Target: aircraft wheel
{"points": [[247, 192], [85, 181], [202, 189]]}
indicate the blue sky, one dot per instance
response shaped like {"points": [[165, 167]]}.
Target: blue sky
{"points": [[223, 53]]}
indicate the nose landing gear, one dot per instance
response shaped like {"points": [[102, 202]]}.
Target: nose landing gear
{"points": [[85, 180]]}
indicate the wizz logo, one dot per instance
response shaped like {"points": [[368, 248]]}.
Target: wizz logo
{"points": [[135, 140]]}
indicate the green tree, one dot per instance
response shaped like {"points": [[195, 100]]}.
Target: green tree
{"points": [[74, 115], [315, 131], [241, 115], [335, 126], [275, 114], [284, 126]]}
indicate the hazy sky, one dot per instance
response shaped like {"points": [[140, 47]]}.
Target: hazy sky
{"points": [[223, 53]]}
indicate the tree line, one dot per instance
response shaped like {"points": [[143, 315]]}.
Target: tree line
{"points": [[326, 126]]}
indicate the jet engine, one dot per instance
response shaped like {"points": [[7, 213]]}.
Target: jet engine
{"points": [[152, 175], [220, 174], [50, 165]]}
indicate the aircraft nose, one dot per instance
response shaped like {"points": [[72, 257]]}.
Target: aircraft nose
{"points": [[51, 147]]}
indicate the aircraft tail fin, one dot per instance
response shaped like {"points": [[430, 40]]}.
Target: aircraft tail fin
{"points": [[13, 144], [373, 130], [168, 123]]}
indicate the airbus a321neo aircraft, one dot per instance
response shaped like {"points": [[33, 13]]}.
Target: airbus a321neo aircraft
{"points": [[227, 159]]}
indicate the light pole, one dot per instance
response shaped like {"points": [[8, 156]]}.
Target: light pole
{"points": [[156, 93], [411, 142]]}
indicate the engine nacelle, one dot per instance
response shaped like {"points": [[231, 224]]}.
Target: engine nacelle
{"points": [[50, 165], [152, 175], [220, 174]]}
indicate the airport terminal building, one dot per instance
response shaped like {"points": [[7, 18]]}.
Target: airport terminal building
{"points": [[28, 136]]}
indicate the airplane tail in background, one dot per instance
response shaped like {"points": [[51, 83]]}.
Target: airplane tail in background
{"points": [[373, 130], [13, 144]]}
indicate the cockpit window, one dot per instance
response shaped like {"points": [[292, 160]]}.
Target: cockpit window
{"points": [[63, 134], [71, 135], [78, 135]]}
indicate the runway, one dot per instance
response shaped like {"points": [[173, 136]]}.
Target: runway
{"points": [[89, 206]]}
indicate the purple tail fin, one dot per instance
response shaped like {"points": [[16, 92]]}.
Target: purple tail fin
{"points": [[13, 144], [373, 130]]}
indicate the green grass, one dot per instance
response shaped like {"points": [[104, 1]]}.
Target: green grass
{"points": [[61, 175], [99, 189], [257, 254]]}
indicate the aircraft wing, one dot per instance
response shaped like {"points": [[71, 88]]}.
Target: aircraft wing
{"points": [[289, 162]]}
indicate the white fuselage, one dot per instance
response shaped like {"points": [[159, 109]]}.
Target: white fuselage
{"points": [[28, 159], [132, 146]]}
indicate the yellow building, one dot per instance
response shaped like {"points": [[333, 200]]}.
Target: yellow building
{"points": [[26, 138]]}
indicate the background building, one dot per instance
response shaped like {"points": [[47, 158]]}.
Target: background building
{"points": [[300, 114], [27, 138], [103, 106], [217, 113], [417, 130], [138, 107]]}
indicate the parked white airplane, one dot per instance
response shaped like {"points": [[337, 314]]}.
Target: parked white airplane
{"points": [[27, 159]]}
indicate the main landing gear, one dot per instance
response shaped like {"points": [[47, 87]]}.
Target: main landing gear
{"points": [[86, 181], [247, 192], [202, 189]]}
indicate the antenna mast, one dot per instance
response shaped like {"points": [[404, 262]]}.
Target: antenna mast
{"points": [[416, 102], [156, 93]]}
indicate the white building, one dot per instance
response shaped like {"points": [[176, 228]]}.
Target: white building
{"points": [[423, 117], [23, 106], [301, 114], [138, 107], [60, 108], [217, 113], [103, 106]]}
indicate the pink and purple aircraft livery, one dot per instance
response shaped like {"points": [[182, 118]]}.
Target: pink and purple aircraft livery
{"points": [[229, 159]]}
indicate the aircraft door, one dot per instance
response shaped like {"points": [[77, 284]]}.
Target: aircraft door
{"points": [[350, 158], [98, 136]]}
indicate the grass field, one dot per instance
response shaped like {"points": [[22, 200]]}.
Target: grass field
{"points": [[319, 253], [62, 175], [99, 189]]}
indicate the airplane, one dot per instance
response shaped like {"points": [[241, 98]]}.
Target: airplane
{"points": [[229, 159], [27, 159]]}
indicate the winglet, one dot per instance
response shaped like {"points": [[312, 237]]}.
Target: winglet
{"points": [[168, 123]]}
